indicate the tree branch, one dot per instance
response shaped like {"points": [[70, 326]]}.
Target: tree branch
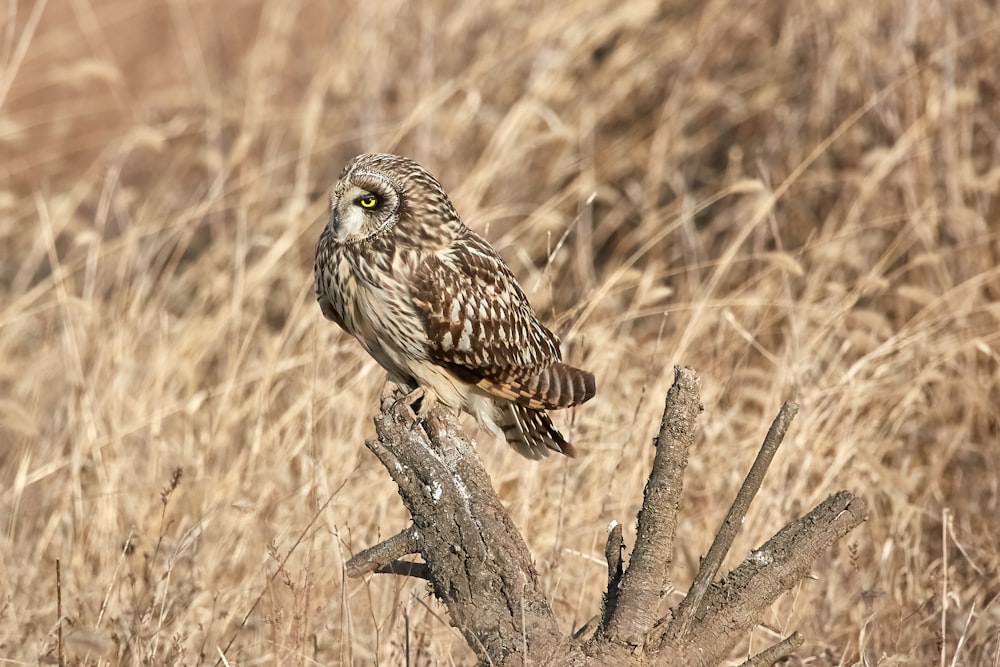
{"points": [[773, 654], [374, 559], [644, 580], [733, 605], [613, 554], [482, 571], [690, 606], [478, 564]]}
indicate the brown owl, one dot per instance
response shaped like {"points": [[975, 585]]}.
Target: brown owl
{"points": [[435, 305]]}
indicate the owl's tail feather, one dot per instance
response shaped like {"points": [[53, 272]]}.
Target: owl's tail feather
{"points": [[531, 432], [557, 386]]}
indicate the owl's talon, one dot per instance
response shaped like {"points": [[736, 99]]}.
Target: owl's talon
{"points": [[412, 399], [420, 402]]}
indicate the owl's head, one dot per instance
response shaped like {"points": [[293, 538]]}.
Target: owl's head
{"points": [[380, 193]]}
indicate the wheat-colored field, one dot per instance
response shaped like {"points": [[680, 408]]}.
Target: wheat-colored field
{"points": [[799, 200]]}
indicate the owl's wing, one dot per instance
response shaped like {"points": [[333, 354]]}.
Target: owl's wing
{"points": [[481, 327]]}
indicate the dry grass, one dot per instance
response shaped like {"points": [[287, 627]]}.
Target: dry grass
{"points": [[800, 200]]}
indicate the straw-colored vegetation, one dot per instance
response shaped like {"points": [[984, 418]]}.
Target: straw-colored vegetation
{"points": [[799, 200]]}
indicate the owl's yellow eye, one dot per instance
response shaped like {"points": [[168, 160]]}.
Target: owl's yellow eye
{"points": [[367, 201]]}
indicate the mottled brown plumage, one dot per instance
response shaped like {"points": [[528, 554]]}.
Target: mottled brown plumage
{"points": [[436, 306]]}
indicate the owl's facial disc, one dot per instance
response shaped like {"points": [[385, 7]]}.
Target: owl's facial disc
{"points": [[362, 206]]}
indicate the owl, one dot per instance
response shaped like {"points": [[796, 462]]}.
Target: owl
{"points": [[438, 308]]}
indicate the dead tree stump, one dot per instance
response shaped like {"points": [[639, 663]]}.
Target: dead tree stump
{"points": [[480, 568]]}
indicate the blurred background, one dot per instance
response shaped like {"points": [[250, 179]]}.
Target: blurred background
{"points": [[800, 200]]}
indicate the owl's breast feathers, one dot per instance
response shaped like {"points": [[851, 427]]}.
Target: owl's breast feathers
{"points": [[481, 327], [359, 288]]}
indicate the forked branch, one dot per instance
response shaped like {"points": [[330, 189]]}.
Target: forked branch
{"points": [[481, 569], [710, 564]]}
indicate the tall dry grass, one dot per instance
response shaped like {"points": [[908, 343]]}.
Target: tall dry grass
{"points": [[800, 200]]}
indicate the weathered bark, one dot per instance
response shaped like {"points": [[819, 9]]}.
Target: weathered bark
{"points": [[644, 581], [734, 605], [478, 564], [481, 569]]}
